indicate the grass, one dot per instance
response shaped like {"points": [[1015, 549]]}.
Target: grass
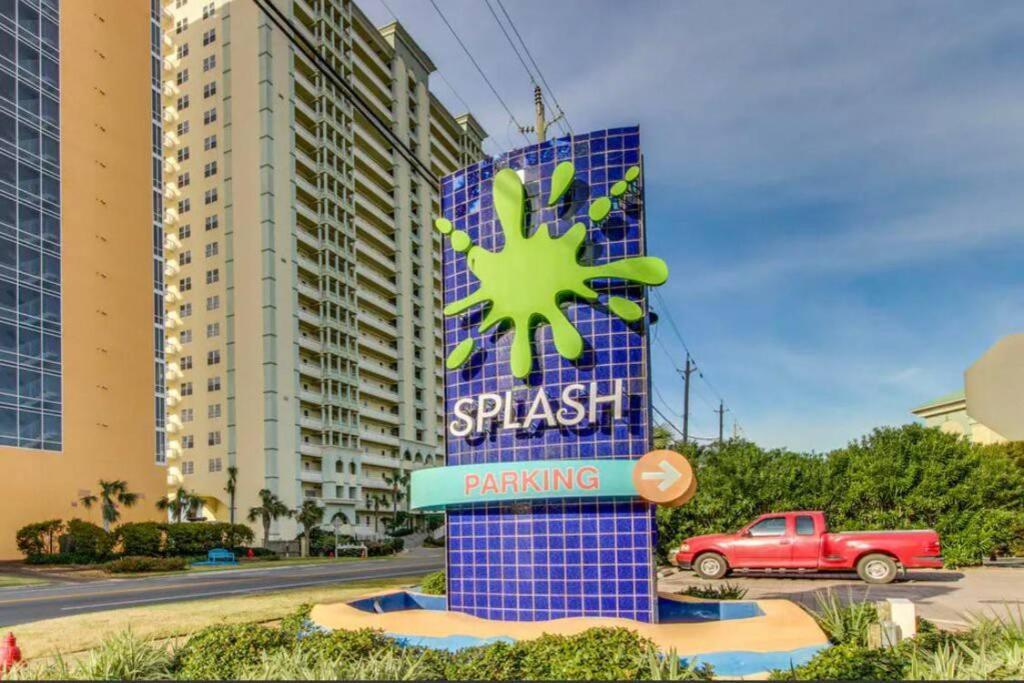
{"points": [[282, 562], [162, 622], [8, 581]]}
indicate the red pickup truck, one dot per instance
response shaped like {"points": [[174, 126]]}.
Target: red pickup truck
{"points": [[800, 541]]}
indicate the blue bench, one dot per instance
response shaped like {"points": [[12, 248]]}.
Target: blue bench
{"points": [[218, 556]]}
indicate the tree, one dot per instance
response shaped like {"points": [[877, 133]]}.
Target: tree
{"points": [[310, 515], [399, 482], [269, 510], [377, 502], [182, 504], [112, 494], [230, 489], [661, 437]]}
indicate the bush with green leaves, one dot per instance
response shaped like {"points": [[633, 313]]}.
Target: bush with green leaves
{"points": [[120, 657], [848, 662], [87, 541], [222, 652], [844, 623], [140, 538], [723, 591], [39, 538], [434, 584], [143, 564], [896, 477]]}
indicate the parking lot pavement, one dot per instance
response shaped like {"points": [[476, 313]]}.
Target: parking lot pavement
{"points": [[944, 596]]}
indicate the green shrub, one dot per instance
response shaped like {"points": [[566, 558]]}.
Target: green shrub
{"points": [[594, 654], [725, 591], [499, 661], [847, 662], [62, 559], [434, 584], [431, 542], [141, 564], [295, 623], [194, 539], [39, 538], [346, 645], [845, 624], [140, 538], [86, 540], [221, 652]]}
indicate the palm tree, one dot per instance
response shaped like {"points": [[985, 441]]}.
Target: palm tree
{"points": [[181, 504], [269, 510], [309, 515], [230, 489], [399, 482], [112, 494], [377, 502]]}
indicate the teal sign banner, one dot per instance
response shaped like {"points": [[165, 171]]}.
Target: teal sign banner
{"points": [[438, 488]]}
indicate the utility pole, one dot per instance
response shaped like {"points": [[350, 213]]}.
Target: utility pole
{"points": [[721, 421], [690, 368], [541, 123]]}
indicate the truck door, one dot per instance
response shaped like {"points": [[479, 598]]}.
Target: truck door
{"points": [[764, 545], [806, 543]]}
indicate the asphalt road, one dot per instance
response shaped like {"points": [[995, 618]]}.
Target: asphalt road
{"points": [[22, 605]]}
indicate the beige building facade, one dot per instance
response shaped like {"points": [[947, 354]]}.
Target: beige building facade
{"points": [[989, 409], [81, 358], [303, 298]]}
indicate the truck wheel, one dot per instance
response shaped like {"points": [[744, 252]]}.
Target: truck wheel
{"points": [[877, 569], [711, 566]]}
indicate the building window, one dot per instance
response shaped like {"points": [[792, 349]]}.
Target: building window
{"points": [[185, 310], [210, 89], [213, 438], [184, 232], [212, 276], [210, 196], [209, 116], [183, 128], [188, 467], [209, 36], [186, 362], [184, 284], [210, 142], [213, 330], [187, 415], [182, 50], [186, 257], [184, 180], [182, 77], [188, 441], [210, 169], [212, 222], [213, 302], [186, 388], [209, 10], [183, 102], [212, 249], [186, 336], [213, 384], [215, 465], [181, 25], [183, 154], [213, 410], [213, 357], [209, 62], [184, 206]]}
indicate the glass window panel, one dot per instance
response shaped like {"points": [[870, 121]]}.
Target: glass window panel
{"points": [[7, 251], [6, 45], [7, 88], [28, 342], [51, 111], [50, 33], [28, 219], [51, 388], [51, 348], [28, 139], [50, 72], [8, 337], [51, 308], [30, 428], [28, 17], [773, 526], [28, 98], [29, 261], [51, 269], [51, 148], [8, 379], [7, 126], [29, 301], [8, 294], [51, 228], [28, 179], [28, 58], [8, 422], [30, 383], [51, 427], [8, 170]]}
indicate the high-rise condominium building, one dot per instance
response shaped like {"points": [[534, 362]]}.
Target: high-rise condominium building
{"points": [[303, 295], [81, 343]]}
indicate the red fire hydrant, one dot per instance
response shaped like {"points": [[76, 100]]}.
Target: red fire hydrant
{"points": [[10, 654]]}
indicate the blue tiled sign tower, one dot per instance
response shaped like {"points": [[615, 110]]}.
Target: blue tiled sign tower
{"points": [[549, 559]]}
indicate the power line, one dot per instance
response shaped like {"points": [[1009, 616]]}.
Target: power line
{"points": [[544, 82], [533, 81], [304, 45], [477, 65]]}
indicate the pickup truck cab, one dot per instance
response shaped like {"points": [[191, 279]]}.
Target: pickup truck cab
{"points": [[800, 541]]}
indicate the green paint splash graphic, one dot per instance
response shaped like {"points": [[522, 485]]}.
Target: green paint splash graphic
{"points": [[526, 283]]}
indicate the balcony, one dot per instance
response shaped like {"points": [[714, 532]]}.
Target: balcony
{"points": [[313, 423], [314, 450], [172, 346], [307, 238], [385, 416], [375, 390], [380, 258], [172, 320], [308, 264], [173, 397], [311, 344], [311, 476], [388, 285], [380, 326], [171, 268], [311, 396], [369, 366], [381, 461], [311, 369], [377, 345], [308, 290], [308, 316], [375, 483]]}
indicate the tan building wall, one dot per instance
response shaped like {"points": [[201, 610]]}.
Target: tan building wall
{"points": [[107, 277], [325, 373]]}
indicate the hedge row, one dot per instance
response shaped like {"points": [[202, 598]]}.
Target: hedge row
{"points": [[81, 542]]}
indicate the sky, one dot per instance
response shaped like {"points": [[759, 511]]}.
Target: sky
{"points": [[838, 188]]}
